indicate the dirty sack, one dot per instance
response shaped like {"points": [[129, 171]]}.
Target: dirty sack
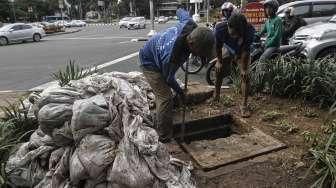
{"points": [[96, 133]]}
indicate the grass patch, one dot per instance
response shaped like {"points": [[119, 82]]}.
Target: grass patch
{"points": [[271, 116], [286, 126]]}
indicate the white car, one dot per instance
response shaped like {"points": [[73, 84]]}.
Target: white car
{"points": [[123, 22], [20, 32], [62, 23], [137, 23], [77, 23], [163, 19]]}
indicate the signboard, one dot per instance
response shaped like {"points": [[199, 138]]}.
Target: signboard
{"points": [[196, 1], [255, 14]]}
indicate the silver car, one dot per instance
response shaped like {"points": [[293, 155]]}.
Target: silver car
{"points": [[137, 23], [311, 11], [20, 32], [319, 39]]}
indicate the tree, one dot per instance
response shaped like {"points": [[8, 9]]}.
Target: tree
{"points": [[4, 10]]}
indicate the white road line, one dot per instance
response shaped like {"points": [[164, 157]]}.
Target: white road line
{"points": [[101, 66], [116, 61], [124, 42], [93, 38]]}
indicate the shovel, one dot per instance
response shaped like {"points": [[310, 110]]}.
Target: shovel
{"points": [[184, 102]]}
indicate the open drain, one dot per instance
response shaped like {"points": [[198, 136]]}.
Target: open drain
{"points": [[222, 140]]}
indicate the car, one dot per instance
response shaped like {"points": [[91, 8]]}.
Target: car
{"points": [[20, 32], [51, 27], [123, 22], [137, 23], [311, 11], [162, 19], [319, 39], [62, 23], [77, 23]]}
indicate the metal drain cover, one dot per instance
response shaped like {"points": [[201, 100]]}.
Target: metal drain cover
{"points": [[211, 154]]}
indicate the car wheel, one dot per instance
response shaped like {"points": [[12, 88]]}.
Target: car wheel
{"points": [[3, 41], [329, 52], [37, 37]]}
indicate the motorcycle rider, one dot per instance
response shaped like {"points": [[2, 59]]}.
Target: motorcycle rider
{"points": [[291, 23], [236, 36], [273, 28], [227, 10]]}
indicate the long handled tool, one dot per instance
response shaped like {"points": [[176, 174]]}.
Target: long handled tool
{"points": [[184, 102]]}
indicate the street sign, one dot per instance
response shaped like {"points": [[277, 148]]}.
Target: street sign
{"points": [[60, 4], [30, 9], [196, 1], [255, 14], [101, 3]]}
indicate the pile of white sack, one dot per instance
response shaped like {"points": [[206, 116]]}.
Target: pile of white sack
{"points": [[96, 133]]}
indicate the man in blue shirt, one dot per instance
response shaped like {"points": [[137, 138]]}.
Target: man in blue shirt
{"points": [[162, 56], [236, 36]]}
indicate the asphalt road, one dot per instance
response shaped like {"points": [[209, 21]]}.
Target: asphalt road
{"points": [[24, 66]]}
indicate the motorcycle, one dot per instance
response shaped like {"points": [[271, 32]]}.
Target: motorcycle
{"points": [[257, 50]]}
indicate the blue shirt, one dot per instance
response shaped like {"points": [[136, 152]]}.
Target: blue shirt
{"points": [[224, 39], [165, 51]]}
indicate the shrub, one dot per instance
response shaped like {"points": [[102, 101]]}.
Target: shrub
{"points": [[72, 72], [313, 81]]}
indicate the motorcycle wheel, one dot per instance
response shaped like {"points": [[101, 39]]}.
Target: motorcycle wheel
{"points": [[195, 65], [211, 74]]}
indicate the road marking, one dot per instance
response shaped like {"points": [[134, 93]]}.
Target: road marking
{"points": [[124, 42], [101, 66], [92, 38], [115, 61]]}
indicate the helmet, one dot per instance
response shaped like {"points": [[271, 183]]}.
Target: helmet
{"points": [[228, 9], [290, 11], [227, 6], [272, 3]]}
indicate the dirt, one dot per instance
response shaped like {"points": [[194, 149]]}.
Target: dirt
{"points": [[283, 119]]}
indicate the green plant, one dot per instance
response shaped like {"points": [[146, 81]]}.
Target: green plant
{"points": [[10, 136], [287, 127], [17, 113], [313, 138], [333, 108], [271, 115], [313, 81], [325, 164], [72, 72]]}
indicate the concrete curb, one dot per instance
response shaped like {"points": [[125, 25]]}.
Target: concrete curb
{"points": [[63, 33]]}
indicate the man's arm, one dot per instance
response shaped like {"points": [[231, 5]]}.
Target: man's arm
{"points": [[169, 70]]}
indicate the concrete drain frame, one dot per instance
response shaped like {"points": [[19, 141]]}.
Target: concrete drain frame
{"points": [[222, 140]]}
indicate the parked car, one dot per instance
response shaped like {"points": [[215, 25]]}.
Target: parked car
{"points": [[62, 23], [123, 22], [77, 23], [51, 27], [311, 11], [137, 23], [162, 19], [319, 39], [20, 32]]}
